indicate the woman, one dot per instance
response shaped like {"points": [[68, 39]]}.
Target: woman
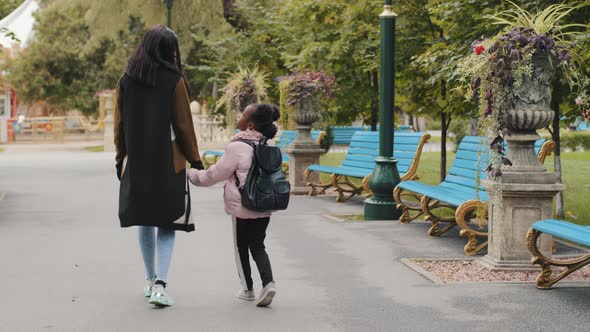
{"points": [[154, 137], [256, 122]]}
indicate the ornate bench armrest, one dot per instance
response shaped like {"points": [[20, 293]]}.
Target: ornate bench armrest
{"points": [[413, 169], [546, 149], [320, 137]]}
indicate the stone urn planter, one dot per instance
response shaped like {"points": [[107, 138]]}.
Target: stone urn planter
{"points": [[528, 120], [306, 113], [302, 92], [526, 191], [531, 100], [510, 74]]}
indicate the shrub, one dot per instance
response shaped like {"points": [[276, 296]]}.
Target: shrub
{"points": [[328, 140]]}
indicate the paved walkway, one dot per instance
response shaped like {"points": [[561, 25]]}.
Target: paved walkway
{"points": [[67, 266]]}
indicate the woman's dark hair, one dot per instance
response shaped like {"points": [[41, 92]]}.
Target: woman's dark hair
{"points": [[263, 119], [158, 49]]}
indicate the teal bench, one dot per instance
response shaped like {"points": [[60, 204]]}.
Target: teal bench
{"points": [[343, 134], [562, 229], [460, 191], [360, 162], [285, 139]]}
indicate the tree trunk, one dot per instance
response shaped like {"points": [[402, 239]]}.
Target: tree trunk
{"points": [[559, 201], [215, 91], [443, 139], [374, 83], [232, 16], [443, 146], [473, 127]]}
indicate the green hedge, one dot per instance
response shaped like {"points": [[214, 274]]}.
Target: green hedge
{"points": [[576, 141]]}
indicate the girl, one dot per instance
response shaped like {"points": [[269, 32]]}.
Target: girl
{"points": [[249, 226], [154, 137]]}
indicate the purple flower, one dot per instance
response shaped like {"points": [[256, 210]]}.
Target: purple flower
{"points": [[488, 110], [497, 173], [475, 83], [550, 43], [510, 81], [564, 56], [501, 65], [514, 54]]}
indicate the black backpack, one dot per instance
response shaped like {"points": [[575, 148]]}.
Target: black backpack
{"points": [[266, 187]]}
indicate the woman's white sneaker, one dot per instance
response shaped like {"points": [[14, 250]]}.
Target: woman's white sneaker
{"points": [[160, 297], [147, 289], [246, 295], [266, 295]]}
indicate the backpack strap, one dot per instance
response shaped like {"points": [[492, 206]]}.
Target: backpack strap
{"points": [[253, 156]]}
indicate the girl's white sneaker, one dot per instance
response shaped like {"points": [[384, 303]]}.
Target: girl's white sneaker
{"points": [[266, 295], [246, 295]]}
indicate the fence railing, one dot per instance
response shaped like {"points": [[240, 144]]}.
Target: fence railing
{"points": [[55, 129]]}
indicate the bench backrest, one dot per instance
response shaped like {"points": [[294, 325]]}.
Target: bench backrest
{"points": [[288, 136], [364, 148], [471, 159], [343, 135]]}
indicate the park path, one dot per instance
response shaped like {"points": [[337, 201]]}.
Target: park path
{"points": [[65, 265]]}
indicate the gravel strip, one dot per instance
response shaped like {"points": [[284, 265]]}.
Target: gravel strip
{"points": [[471, 271]]}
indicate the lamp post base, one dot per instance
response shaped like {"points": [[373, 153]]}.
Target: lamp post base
{"points": [[384, 179]]}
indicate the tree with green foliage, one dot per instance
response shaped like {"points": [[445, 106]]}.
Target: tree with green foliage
{"points": [[59, 65], [8, 6]]}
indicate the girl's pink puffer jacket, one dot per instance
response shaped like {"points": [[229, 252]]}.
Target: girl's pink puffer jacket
{"points": [[237, 158]]}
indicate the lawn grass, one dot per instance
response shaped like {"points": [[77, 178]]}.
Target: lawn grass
{"points": [[99, 148], [575, 170]]}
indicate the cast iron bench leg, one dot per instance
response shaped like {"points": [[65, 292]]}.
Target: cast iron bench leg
{"points": [[545, 280], [408, 201], [313, 190], [466, 211], [427, 204]]}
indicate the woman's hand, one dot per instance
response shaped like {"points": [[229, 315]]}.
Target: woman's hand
{"points": [[197, 164]]}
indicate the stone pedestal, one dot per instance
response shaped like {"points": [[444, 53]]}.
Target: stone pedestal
{"points": [[524, 196], [303, 152]]}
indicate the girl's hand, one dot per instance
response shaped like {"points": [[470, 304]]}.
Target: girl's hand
{"points": [[191, 174]]}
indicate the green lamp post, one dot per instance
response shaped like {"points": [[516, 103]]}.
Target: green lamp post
{"points": [[169, 6], [385, 175]]}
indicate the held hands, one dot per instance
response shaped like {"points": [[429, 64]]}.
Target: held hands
{"points": [[191, 174], [197, 164]]}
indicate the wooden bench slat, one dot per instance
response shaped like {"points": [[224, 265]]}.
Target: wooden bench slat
{"points": [[565, 230]]}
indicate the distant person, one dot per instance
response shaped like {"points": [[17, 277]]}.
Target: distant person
{"points": [[154, 137], [256, 123]]}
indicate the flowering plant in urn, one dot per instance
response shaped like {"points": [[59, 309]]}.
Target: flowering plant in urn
{"points": [[305, 89], [511, 72]]}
